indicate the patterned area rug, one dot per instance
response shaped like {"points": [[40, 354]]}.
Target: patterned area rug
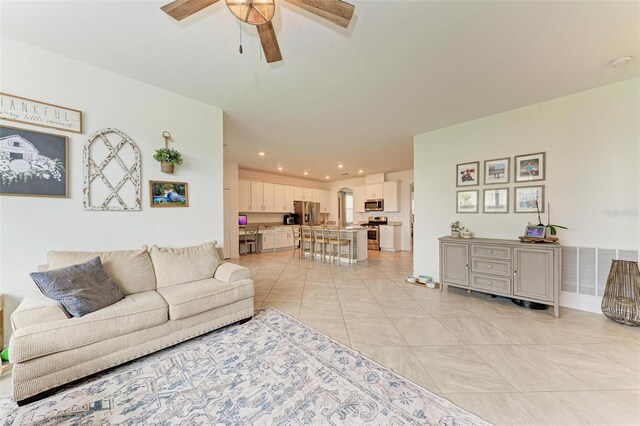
{"points": [[271, 370]]}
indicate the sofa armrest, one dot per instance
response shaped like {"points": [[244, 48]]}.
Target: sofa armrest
{"points": [[230, 273], [37, 308]]}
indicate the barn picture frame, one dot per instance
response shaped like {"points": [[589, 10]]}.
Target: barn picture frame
{"points": [[33, 163]]}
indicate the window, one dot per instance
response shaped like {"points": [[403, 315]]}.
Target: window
{"points": [[348, 203], [16, 144]]}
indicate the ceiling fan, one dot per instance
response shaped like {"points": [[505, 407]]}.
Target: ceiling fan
{"points": [[260, 12]]}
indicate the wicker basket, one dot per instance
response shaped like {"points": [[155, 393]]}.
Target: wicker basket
{"points": [[167, 168], [621, 300]]}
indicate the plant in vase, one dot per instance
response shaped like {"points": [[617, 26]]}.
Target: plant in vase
{"points": [[168, 158], [456, 229], [550, 230]]}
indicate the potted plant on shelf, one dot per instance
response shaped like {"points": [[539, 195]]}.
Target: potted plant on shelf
{"points": [[168, 158], [456, 229]]}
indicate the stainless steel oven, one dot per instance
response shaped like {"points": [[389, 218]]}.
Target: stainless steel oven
{"points": [[374, 205], [373, 237], [373, 231]]}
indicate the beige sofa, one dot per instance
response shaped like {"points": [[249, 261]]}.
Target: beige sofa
{"points": [[171, 295]]}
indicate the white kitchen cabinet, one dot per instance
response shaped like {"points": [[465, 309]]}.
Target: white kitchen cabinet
{"points": [[278, 197], [358, 198], [288, 199], [244, 196], [374, 191], [389, 238], [269, 200], [315, 195], [307, 194], [283, 237], [257, 197], [267, 240], [325, 201], [298, 193], [391, 191]]}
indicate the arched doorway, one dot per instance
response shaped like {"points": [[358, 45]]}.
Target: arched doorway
{"points": [[345, 207]]}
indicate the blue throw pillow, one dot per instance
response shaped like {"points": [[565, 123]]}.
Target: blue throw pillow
{"points": [[81, 289]]}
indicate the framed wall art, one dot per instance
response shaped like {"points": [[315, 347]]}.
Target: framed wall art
{"points": [[530, 167], [28, 111], [467, 201], [33, 163], [527, 198], [496, 171], [168, 194], [467, 174], [496, 200]]}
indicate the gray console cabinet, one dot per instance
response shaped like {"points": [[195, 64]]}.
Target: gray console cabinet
{"points": [[507, 268]]}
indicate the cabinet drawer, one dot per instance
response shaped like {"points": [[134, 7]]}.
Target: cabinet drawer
{"points": [[498, 252], [495, 267], [491, 284]]}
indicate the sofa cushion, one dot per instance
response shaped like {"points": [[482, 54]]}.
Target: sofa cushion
{"points": [[184, 265], [37, 308], [193, 298], [81, 289], [131, 270], [135, 312]]}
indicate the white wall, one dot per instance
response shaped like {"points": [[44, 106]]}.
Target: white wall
{"points": [[231, 183], [404, 216], [592, 145], [32, 226]]}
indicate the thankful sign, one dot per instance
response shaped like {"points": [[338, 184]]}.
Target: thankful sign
{"points": [[28, 111]]}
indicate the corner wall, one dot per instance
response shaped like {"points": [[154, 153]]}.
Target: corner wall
{"points": [[31, 226], [592, 145]]}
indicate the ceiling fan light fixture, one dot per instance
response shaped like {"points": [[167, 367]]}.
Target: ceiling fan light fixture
{"points": [[253, 12]]}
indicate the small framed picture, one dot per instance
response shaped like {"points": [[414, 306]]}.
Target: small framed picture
{"points": [[467, 174], [530, 167], [496, 200], [496, 171], [534, 231], [168, 194], [527, 198], [467, 201]]}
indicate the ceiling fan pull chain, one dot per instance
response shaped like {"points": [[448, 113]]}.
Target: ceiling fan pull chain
{"points": [[240, 26]]}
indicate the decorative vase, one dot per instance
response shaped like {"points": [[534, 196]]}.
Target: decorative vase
{"points": [[167, 167], [455, 234], [466, 234], [621, 300]]}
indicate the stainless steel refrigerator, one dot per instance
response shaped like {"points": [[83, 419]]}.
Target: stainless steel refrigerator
{"points": [[307, 213]]}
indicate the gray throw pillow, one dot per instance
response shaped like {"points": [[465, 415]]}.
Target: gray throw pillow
{"points": [[81, 289]]}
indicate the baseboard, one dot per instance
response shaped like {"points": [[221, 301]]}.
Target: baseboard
{"points": [[581, 302]]}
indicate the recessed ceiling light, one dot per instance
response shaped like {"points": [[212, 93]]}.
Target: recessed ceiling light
{"points": [[306, 173], [620, 61], [261, 154], [360, 171], [280, 168], [340, 166], [326, 177]]}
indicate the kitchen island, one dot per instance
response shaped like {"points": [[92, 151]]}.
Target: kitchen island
{"points": [[357, 251]]}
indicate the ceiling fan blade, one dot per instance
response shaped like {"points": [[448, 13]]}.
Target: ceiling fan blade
{"points": [[269, 42], [180, 9], [336, 11]]}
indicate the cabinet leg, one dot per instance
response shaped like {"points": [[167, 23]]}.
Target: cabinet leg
{"points": [[556, 310], [468, 291]]}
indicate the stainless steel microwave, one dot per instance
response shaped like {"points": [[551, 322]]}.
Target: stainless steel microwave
{"points": [[374, 205]]}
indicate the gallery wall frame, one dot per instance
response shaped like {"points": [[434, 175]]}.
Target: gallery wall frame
{"points": [[530, 167], [524, 197], [497, 171], [23, 110], [467, 201], [468, 174], [30, 165]]}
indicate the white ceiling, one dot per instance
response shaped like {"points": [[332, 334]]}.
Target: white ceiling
{"points": [[354, 96]]}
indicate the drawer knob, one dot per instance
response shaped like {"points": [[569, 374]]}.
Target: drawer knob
{"points": [[490, 251], [490, 266], [490, 282]]}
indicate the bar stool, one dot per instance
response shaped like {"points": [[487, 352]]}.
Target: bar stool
{"points": [[251, 238], [336, 244], [319, 237], [297, 240], [306, 241]]}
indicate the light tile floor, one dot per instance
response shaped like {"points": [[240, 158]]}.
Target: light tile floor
{"points": [[510, 365]]}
